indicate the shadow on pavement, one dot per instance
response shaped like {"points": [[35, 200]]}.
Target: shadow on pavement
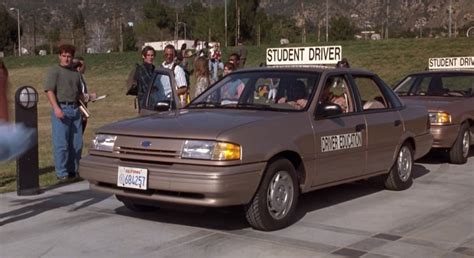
{"points": [[233, 218], [32, 207], [439, 157]]}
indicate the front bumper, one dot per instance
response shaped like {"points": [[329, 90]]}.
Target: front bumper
{"points": [[212, 186], [444, 135]]}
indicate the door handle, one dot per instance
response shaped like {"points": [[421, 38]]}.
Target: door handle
{"points": [[360, 127], [397, 122]]}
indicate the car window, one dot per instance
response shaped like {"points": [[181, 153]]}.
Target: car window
{"points": [[370, 93], [270, 90], [456, 85], [336, 91], [160, 91]]}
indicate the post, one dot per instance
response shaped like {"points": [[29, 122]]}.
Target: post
{"points": [[225, 22], [386, 21], [258, 35], [34, 34], [327, 21], [26, 113], [449, 19], [121, 34]]}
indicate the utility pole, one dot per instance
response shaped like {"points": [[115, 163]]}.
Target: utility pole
{"points": [[304, 23], [34, 34], [121, 34], [386, 20], [450, 18], [327, 20], [225, 22], [237, 37]]}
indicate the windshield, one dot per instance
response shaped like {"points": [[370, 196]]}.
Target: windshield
{"points": [[268, 90], [450, 85]]}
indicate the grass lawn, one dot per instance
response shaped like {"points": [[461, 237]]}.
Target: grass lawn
{"points": [[106, 74]]}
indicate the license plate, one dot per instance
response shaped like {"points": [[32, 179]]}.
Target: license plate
{"points": [[136, 178]]}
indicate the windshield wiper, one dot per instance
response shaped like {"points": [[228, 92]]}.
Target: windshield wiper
{"points": [[203, 104], [256, 106]]}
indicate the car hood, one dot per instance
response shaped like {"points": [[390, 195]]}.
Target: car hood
{"points": [[433, 103], [191, 124]]}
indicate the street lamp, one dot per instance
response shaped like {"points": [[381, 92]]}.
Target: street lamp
{"points": [[18, 21]]}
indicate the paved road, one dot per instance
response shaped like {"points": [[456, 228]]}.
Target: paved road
{"points": [[434, 218]]}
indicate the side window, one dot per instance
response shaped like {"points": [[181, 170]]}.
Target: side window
{"points": [[370, 94], [336, 91]]}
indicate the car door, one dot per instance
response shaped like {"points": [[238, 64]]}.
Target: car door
{"points": [[384, 125], [161, 94], [339, 139]]}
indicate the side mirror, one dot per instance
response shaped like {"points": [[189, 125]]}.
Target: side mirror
{"points": [[162, 106], [328, 110]]}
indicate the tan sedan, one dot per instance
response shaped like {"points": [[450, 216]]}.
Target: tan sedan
{"points": [[449, 98], [259, 138]]}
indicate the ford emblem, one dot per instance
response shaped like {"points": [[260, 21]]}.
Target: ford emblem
{"points": [[146, 144]]}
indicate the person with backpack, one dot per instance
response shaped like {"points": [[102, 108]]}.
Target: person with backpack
{"points": [[179, 73], [140, 77]]}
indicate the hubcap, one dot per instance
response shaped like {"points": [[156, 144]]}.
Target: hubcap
{"points": [[465, 144], [404, 163], [280, 195]]}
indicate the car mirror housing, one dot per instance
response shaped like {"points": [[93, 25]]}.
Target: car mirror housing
{"points": [[328, 110]]}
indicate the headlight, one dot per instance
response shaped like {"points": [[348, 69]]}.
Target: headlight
{"points": [[442, 118], [210, 150], [104, 142]]}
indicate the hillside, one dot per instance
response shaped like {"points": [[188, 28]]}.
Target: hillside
{"points": [[99, 15]]}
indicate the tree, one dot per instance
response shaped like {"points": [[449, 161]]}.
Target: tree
{"points": [[79, 31], [160, 14], [129, 41], [8, 30], [53, 36], [341, 28]]}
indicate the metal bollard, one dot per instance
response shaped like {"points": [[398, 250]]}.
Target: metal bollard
{"points": [[27, 170]]}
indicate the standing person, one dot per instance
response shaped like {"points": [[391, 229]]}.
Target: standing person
{"points": [[79, 64], [242, 53], [179, 74], [201, 70], [214, 62], [63, 89], [344, 63], [144, 75], [234, 59], [3, 91]]}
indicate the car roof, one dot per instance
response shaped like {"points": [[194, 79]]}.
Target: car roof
{"points": [[431, 72], [304, 69]]}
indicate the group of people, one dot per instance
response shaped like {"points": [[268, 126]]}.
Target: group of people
{"points": [[204, 68]]}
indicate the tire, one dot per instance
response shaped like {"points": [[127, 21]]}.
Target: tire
{"points": [[460, 151], [274, 204], [132, 204], [400, 175]]}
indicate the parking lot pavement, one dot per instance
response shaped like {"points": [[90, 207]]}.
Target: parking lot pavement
{"points": [[434, 218]]}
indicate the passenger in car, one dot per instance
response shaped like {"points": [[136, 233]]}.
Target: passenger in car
{"points": [[233, 89], [297, 96], [327, 97]]}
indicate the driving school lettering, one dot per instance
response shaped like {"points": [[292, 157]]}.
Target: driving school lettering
{"points": [[341, 142], [304, 55], [451, 63]]}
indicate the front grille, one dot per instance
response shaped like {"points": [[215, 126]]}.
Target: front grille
{"points": [[148, 152]]}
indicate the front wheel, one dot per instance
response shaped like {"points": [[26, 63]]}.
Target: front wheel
{"points": [[400, 175], [274, 204], [460, 151]]}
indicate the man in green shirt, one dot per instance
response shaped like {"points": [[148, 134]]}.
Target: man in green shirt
{"points": [[63, 89]]}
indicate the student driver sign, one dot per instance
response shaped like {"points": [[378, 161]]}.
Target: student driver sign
{"points": [[318, 55]]}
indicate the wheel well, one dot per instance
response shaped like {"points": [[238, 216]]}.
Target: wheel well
{"points": [[411, 141], [295, 159]]}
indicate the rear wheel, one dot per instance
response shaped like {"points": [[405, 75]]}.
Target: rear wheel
{"points": [[460, 151], [400, 176], [133, 205], [273, 206]]}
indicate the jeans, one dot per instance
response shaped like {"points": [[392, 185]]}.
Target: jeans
{"points": [[213, 66], [67, 141]]}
